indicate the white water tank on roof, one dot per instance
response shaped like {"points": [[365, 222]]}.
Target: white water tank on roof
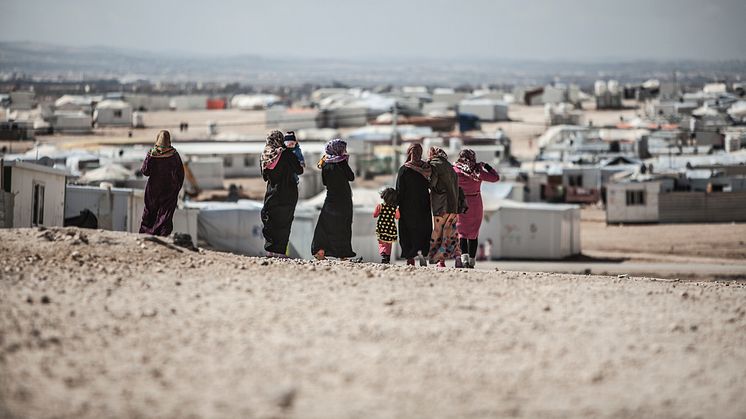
{"points": [[613, 87], [599, 88]]}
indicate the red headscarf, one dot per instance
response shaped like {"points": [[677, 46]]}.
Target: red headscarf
{"points": [[467, 164]]}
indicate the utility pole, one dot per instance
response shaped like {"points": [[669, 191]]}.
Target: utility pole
{"points": [[394, 140]]}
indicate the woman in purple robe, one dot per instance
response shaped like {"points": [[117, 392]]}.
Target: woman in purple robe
{"points": [[165, 174]]}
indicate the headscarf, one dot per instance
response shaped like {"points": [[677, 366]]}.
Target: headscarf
{"points": [[437, 152], [415, 162], [467, 164], [272, 150], [334, 152], [162, 147]]}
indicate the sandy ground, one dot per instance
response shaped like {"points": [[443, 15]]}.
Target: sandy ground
{"points": [[105, 324], [724, 241], [230, 121]]}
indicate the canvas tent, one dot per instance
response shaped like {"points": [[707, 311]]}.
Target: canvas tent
{"points": [[237, 227]]}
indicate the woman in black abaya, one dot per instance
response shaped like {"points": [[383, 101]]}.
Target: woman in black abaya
{"points": [[333, 234], [416, 223], [279, 168]]}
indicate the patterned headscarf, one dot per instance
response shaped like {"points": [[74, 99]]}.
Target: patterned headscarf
{"points": [[467, 163], [272, 150], [437, 152], [334, 152], [162, 147], [415, 162]]}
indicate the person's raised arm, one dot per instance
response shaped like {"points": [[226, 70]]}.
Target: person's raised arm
{"points": [[377, 211], [489, 174]]}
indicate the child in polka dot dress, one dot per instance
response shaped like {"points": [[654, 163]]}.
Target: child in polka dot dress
{"points": [[387, 214]]}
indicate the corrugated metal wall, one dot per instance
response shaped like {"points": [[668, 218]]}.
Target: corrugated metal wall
{"points": [[691, 207]]}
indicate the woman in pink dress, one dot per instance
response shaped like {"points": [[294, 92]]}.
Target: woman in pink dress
{"points": [[470, 177]]}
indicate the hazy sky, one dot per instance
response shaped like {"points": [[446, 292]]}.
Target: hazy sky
{"points": [[517, 29]]}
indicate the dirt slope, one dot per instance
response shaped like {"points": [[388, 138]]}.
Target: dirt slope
{"points": [[121, 327]]}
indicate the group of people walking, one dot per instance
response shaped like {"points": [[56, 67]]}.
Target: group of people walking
{"points": [[438, 205], [442, 211]]}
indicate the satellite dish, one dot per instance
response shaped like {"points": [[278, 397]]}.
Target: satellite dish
{"points": [[45, 161]]}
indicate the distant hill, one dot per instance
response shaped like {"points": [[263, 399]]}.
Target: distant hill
{"points": [[78, 63]]}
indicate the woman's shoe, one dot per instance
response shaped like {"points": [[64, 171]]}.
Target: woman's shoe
{"points": [[319, 255], [458, 263], [421, 259], [410, 262], [472, 262]]}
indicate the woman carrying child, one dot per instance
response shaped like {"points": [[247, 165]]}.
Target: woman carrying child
{"points": [[280, 168]]}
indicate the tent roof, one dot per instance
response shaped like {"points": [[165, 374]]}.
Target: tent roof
{"points": [[113, 104], [108, 172]]}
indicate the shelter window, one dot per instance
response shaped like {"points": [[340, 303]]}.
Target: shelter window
{"points": [[248, 161], [228, 161], [636, 197], [575, 180], [37, 218], [117, 113]]}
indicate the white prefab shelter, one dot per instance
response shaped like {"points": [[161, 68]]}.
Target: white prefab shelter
{"points": [[485, 109], [632, 202], [72, 122], [532, 230], [208, 172], [188, 102], [291, 119], [113, 113], [38, 194]]}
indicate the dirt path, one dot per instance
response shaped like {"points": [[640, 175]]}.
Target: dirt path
{"points": [[718, 241], [121, 327]]}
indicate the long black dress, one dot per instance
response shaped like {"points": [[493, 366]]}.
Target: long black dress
{"points": [[279, 202], [334, 230], [415, 222]]}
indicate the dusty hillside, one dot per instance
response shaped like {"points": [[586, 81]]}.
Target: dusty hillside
{"points": [[102, 324]]}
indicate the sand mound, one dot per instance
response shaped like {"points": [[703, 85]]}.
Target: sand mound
{"points": [[102, 324]]}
